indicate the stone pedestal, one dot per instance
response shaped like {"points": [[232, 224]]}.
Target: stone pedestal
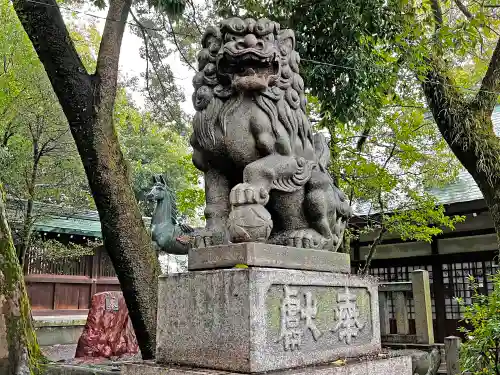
{"points": [[260, 319], [263, 315]]}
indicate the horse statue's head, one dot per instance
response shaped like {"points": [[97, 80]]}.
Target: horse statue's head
{"points": [[159, 191]]}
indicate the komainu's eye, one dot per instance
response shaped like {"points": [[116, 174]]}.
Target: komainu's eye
{"points": [[230, 37]]}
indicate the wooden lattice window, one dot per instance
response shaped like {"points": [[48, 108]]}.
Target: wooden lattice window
{"points": [[455, 279]]}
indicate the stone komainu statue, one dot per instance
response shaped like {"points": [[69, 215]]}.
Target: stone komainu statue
{"points": [[266, 175]]}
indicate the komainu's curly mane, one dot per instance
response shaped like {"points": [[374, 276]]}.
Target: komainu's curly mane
{"points": [[216, 94]]}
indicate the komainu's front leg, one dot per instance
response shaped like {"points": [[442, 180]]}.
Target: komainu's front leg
{"points": [[249, 219], [284, 173], [216, 210]]}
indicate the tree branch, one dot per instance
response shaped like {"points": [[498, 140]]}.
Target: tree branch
{"points": [[464, 9], [52, 143], [145, 35], [46, 29], [470, 17], [487, 96], [8, 134], [109, 53], [371, 253], [438, 13], [190, 2], [177, 43], [363, 138]]}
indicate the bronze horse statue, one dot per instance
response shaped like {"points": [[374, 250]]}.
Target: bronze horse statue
{"points": [[168, 236]]}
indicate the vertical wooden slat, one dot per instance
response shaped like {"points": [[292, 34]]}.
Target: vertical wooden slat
{"points": [[401, 310], [54, 298], [385, 327], [94, 272], [438, 287]]}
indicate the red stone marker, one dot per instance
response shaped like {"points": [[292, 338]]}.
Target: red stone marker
{"points": [[108, 331]]}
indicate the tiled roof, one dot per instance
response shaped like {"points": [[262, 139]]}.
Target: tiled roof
{"points": [[56, 219]]}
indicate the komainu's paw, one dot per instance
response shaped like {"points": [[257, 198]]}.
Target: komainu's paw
{"points": [[205, 238], [303, 238], [245, 193]]}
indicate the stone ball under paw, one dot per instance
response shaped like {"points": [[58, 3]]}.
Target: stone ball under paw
{"points": [[249, 223]]}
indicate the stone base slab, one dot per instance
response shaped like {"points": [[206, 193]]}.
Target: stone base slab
{"points": [[266, 255], [363, 366], [265, 319]]}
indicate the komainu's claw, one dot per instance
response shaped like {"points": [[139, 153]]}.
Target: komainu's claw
{"points": [[245, 193]]}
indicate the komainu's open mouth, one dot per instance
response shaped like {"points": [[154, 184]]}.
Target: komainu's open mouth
{"points": [[250, 70]]}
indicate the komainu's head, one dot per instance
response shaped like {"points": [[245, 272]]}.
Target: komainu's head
{"points": [[247, 55], [250, 56]]}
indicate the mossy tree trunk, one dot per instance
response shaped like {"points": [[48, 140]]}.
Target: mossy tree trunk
{"points": [[23, 356], [88, 101], [466, 124]]}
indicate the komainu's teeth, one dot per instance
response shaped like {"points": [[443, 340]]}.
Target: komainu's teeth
{"points": [[250, 71]]}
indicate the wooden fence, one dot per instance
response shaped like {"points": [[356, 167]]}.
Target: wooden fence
{"points": [[67, 286]]}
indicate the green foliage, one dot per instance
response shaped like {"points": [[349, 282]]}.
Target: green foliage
{"points": [[479, 354], [150, 149], [151, 141], [173, 8], [55, 251], [38, 158], [388, 163], [177, 37], [422, 221], [345, 47]]}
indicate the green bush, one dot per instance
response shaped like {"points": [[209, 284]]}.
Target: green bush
{"points": [[480, 353]]}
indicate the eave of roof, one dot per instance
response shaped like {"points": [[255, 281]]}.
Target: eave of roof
{"points": [[57, 219]]}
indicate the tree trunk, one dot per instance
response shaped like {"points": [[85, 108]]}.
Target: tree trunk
{"points": [[19, 351], [364, 270], [28, 213], [88, 101], [467, 127]]}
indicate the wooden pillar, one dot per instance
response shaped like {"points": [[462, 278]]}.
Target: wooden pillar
{"points": [[452, 350], [356, 255], [438, 288], [423, 306]]}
